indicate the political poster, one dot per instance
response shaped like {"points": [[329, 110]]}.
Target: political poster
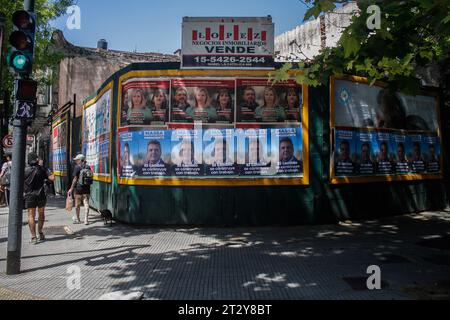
{"points": [[59, 147], [394, 132], [227, 43], [432, 149], [145, 102], [365, 152], [96, 134], [345, 155], [260, 101], [209, 153], [205, 101]]}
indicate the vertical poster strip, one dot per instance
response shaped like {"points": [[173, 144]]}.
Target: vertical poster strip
{"points": [[59, 147], [97, 134]]}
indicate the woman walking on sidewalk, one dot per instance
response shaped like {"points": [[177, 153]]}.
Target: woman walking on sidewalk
{"points": [[35, 196]]}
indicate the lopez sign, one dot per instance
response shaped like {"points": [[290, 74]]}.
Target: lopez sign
{"points": [[228, 43]]}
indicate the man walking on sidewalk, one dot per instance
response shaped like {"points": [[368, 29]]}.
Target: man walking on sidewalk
{"points": [[35, 196], [81, 185]]}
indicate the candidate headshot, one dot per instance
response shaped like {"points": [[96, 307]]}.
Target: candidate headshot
{"points": [[126, 159], [401, 153], [159, 100], [154, 153], [221, 152], [249, 98], [365, 153], [287, 151], [432, 154], [181, 99], [417, 152], [292, 100], [127, 167], [224, 101], [139, 113], [255, 152], [293, 104], [384, 152], [186, 153], [344, 151]]}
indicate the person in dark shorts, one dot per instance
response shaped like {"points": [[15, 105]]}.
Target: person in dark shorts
{"points": [[81, 185], [35, 196]]}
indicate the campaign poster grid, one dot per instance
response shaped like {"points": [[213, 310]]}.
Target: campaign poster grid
{"points": [[96, 134], [210, 154], [211, 101], [377, 134], [59, 147]]}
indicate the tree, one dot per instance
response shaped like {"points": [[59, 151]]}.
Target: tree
{"points": [[412, 34], [45, 58]]}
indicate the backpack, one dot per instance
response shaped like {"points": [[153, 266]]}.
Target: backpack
{"points": [[86, 178], [5, 181]]}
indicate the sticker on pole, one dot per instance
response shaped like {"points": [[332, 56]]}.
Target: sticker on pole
{"points": [[8, 141]]}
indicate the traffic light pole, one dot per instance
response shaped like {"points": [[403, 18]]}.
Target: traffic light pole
{"points": [[17, 187]]}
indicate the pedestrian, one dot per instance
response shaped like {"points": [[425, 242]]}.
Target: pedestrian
{"points": [[5, 177], [81, 188], [48, 184], [35, 196]]}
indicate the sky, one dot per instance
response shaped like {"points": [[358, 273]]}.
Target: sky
{"points": [[155, 25]]}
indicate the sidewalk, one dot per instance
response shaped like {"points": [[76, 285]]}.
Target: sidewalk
{"points": [[309, 262]]}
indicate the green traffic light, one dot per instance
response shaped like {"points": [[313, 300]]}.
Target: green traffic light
{"points": [[20, 62]]}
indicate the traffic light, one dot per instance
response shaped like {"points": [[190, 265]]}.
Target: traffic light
{"points": [[22, 40]]}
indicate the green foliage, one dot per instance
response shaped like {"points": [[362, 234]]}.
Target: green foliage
{"points": [[413, 34], [45, 58]]}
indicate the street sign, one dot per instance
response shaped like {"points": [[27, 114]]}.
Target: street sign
{"points": [[8, 141], [26, 110]]}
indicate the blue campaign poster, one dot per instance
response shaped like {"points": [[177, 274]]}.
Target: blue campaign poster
{"points": [[345, 153]]}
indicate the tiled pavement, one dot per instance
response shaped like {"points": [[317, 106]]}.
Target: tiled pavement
{"points": [[309, 262]]}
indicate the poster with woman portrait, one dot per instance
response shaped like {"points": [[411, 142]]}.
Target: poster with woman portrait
{"points": [[145, 101], [204, 101], [260, 101]]}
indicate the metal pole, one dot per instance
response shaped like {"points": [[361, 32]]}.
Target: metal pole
{"points": [[17, 187], [3, 110], [28, 5]]}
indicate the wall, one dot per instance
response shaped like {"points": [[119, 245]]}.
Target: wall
{"points": [[320, 202], [305, 41]]}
